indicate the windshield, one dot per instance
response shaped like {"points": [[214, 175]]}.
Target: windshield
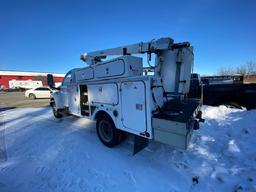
{"points": [[67, 79]]}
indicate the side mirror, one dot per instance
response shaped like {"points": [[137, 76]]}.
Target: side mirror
{"points": [[50, 80]]}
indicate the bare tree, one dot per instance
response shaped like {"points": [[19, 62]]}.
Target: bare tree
{"points": [[241, 70], [251, 68], [225, 71], [247, 69]]}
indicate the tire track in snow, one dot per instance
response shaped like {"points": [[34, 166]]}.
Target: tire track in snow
{"points": [[3, 151]]}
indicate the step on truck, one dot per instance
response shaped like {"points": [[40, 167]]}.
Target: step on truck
{"points": [[113, 90]]}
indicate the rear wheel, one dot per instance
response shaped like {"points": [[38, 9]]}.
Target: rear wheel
{"points": [[55, 111], [107, 132], [32, 96]]}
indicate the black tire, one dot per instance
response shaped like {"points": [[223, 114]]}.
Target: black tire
{"points": [[32, 96], [107, 132], [233, 105], [55, 112]]}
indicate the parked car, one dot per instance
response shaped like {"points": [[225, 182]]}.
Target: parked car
{"points": [[39, 92]]}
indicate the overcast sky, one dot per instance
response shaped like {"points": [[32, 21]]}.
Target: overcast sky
{"points": [[50, 35]]}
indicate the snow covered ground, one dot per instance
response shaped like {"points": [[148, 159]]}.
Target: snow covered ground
{"points": [[45, 154]]}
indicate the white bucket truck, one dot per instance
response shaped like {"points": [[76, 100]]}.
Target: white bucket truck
{"points": [[122, 100]]}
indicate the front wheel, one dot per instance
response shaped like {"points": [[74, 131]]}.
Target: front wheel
{"points": [[107, 132], [55, 111]]}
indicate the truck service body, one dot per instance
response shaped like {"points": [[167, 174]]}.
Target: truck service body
{"points": [[122, 100]]}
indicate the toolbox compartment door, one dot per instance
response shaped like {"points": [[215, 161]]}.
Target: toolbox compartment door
{"points": [[103, 94], [176, 134], [84, 74], [110, 69], [133, 100]]}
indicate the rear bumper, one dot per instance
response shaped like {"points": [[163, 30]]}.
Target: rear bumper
{"points": [[175, 124]]}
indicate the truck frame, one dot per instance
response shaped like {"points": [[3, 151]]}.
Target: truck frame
{"points": [[122, 100]]}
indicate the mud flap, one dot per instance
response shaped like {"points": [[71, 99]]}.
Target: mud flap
{"points": [[139, 144]]}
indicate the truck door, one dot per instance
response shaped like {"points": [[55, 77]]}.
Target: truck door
{"points": [[74, 97], [133, 104], [65, 89]]}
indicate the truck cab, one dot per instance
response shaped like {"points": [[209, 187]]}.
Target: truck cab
{"points": [[63, 98]]}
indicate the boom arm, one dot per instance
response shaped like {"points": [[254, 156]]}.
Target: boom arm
{"points": [[143, 47], [173, 61]]}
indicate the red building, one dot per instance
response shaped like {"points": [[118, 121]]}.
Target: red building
{"points": [[12, 79]]}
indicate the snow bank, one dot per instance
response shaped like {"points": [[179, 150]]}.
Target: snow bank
{"points": [[45, 154]]}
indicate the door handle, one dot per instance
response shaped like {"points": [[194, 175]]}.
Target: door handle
{"points": [[139, 107]]}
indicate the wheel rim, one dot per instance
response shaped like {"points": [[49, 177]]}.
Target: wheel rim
{"points": [[32, 96], [54, 110], [105, 130]]}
